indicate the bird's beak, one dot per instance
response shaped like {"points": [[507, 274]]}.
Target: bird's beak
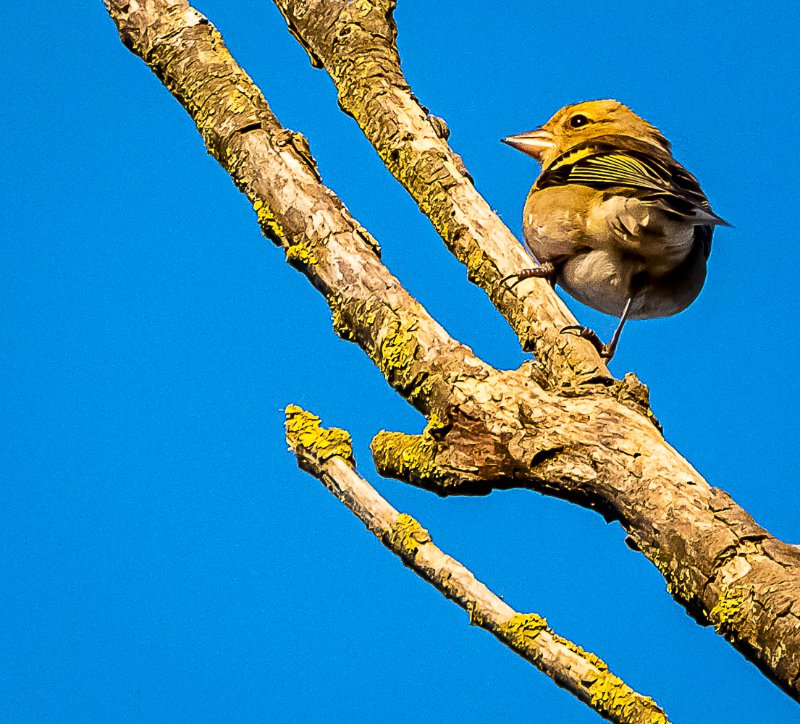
{"points": [[533, 143]]}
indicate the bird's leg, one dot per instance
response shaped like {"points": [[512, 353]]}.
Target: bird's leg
{"points": [[606, 351], [546, 270], [611, 347]]}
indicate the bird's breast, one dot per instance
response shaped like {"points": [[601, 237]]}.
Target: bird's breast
{"points": [[609, 247], [563, 220]]}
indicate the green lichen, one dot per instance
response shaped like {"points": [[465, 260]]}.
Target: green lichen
{"points": [[613, 698], [408, 535], [305, 434], [522, 629]]}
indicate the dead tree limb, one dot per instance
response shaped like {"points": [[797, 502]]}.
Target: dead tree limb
{"points": [[486, 428], [327, 454]]}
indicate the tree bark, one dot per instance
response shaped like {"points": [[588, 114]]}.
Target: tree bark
{"points": [[589, 439], [327, 454], [355, 42]]}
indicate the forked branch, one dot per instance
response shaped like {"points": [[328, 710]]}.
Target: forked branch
{"points": [[486, 428], [355, 42]]}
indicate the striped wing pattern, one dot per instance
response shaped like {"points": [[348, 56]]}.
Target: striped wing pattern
{"points": [[620, 161], [635, 168]]}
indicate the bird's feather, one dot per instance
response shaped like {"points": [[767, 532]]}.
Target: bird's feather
{"points": [[629, 164]]}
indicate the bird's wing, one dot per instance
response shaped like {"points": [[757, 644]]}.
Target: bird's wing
{"points": [[626, 163]]}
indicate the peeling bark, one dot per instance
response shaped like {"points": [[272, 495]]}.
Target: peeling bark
{"points": [[486, 428]]}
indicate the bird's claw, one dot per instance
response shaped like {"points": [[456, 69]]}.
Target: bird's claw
{"points": [[606, 351], [543, 271]]}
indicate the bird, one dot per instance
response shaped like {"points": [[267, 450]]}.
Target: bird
{"points": [[613, 218]]}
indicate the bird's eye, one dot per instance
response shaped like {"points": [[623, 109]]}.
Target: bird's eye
{"points": [[578, 120]]}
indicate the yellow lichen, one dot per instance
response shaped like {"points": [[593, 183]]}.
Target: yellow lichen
{"points": [[613, 697], [300, 254], [727, 611], [268, 223], [408, 535], [436, 424], [609, 695], [679, 582], [304, 432], [340, 325], [593, 659], [405, 456], [522, 629], [397, 351]]}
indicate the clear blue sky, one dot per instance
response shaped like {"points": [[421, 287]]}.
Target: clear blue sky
{"points": [[164, 560]]}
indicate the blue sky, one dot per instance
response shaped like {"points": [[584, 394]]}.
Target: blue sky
{"points": [[163, 559]]}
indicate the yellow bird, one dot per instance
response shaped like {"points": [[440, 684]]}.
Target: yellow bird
{"points": [[613, 218]]}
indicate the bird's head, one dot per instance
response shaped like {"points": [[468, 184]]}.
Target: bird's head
{"points": [[581, 122]]}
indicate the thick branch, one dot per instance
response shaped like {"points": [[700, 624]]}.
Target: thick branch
{"points": [[274, 168], [327, 455], [718, 562], [487, 429], [355, 42]]}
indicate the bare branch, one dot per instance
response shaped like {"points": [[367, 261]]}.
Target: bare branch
{"points": [[487, 429], [274, 168], [355, 43], [327, 455]]}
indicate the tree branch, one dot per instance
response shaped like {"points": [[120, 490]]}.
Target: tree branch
{"points": [[355, 43], [486, 428], [273, 166], [327, 455]]}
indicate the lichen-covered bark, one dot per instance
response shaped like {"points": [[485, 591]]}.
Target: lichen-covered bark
{"points": [[487, 429], [354, 40], [327, 454], [274, 168]]}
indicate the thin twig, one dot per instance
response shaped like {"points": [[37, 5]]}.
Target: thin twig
{"points": [[327, 455]]}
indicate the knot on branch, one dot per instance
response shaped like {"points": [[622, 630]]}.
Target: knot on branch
{"points": [[440, 127], [313, 443], [633, 393], [629, 391], [300, 145], [458, 457]]}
